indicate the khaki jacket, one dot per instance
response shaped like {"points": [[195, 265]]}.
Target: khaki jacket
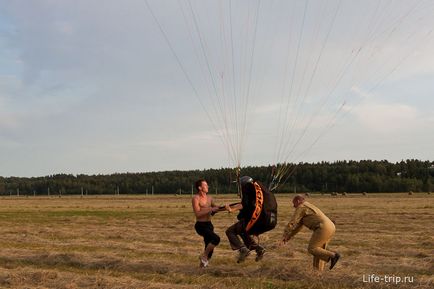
{"points": [[305, 214]]}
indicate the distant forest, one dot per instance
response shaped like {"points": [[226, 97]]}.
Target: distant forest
{"points": [[342, 176]]}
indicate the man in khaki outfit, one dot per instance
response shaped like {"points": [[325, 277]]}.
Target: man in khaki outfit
{"points": [[323, 230]]}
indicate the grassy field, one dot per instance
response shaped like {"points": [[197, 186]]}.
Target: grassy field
{"points": [[150, 242]]}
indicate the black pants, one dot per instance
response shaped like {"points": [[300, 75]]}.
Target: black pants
{"points": [[206, 230], [236, 229]]}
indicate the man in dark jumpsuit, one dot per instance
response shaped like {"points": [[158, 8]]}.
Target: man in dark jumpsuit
{"points": [[246, 208]]}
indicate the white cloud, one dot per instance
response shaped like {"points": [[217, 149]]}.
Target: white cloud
{"points": [[387, 118]]}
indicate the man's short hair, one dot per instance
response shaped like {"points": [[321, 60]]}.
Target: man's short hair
{"points": [[298, 198], [198, 183]]}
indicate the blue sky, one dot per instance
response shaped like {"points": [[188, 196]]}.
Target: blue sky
{"points": [[93, 87]]}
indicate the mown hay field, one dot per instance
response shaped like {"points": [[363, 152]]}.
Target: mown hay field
{"points": [[150, 242]]}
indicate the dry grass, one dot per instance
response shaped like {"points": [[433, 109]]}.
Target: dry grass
{"points": [[150, 242]]}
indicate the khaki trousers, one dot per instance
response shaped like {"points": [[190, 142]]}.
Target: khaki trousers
{"points": [[318, 244]]}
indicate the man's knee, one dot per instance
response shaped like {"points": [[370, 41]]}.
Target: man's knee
{"points": [[216, 240], [311, 249], [228, 231], [231, 231]]}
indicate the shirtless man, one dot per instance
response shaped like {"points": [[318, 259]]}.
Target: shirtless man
{"points": [[203, 207]]}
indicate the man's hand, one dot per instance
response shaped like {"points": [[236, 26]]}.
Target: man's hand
{"points": [[228, 208]]}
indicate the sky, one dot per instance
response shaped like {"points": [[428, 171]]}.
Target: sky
{"points": [[100, 87]]}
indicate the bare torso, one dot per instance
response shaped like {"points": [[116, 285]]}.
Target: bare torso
{"points": [[202, 205]]}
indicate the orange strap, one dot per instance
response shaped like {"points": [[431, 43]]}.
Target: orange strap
{"points": [[258, 209]]}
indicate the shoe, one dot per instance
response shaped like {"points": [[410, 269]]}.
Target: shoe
{"points": [[334, 260], [260, 251], [244, 252], [203, 261]]}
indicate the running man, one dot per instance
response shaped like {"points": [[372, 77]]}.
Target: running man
{"points": [[203, 207]]}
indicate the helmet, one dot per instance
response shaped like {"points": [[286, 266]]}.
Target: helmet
{"points": [[244, 180]]}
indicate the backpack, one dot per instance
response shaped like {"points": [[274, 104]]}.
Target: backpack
{"points": [[259, 209]]}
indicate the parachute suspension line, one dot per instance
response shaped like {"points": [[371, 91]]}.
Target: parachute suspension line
{"points": [[378, 78], [380, 18], [235, 104], [307, 127], [220, 106], [331, 123], [243, 62], [232, 108], [398, 21], [238, 176], [244, 121], [345, 68], [281, 136], [171, 48], [307, 90], [376, 84], [367, 59], [241, 106], [325, 99], [196, 52], [382, 63], [299, 96], [224, 95], [263, 71], [290, 170], [293, 78], [322, 104], [303, 96], [201, 65], [286, 72], [275, 173], [181, 66], [402, 60], [275, 168], [294, 69], [234, 94], [184, 71], [336, 83], [205, 56], [197, 55], [376, 20]]}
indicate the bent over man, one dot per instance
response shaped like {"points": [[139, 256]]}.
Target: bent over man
{"points": [[306, 214], [203, 207]]}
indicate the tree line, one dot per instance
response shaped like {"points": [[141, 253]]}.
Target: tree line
{"points": [[341, 176]]}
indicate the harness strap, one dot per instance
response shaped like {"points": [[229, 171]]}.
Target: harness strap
{"points": [[258, 208]]}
